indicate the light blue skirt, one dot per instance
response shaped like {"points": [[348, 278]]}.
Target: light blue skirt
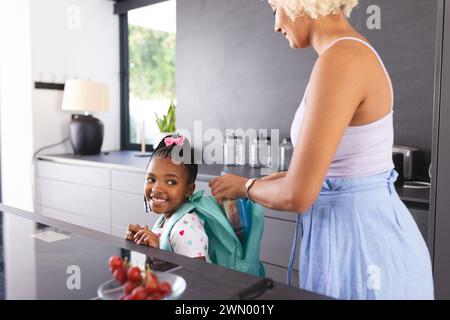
{"points": [[359, 241]]}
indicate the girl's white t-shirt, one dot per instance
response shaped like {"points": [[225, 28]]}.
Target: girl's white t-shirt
{"points": [[188, 236]]}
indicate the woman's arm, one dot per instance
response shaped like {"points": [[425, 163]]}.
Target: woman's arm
{"points": [[336, 90], [274, 176]]}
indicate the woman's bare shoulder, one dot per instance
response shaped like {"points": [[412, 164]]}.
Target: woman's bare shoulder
{"points": [[346, 54], [347, 64]]}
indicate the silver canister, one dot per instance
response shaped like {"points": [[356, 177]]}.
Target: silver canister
{"points": [[239, 154], [228, 150], [286, 151]]}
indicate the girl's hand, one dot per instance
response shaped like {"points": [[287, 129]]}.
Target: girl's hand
{"points": [[227, 187], [146, 237], [131, 231]]}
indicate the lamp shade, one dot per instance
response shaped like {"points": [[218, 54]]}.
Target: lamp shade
{"points": [[85, 96]]}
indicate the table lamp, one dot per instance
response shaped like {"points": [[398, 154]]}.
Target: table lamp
{"points": [[84, 96]]}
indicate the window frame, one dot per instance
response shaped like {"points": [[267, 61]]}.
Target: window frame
{"points": [[121, 8]]}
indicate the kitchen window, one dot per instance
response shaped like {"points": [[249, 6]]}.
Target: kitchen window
{"points": [[148, 54]]}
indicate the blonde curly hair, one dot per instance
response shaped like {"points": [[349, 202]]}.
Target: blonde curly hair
{"points": [[316, 8]]}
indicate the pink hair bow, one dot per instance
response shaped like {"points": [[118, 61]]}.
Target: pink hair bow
{"points": [[170, 141]]}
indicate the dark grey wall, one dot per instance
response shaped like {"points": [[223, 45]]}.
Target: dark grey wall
{"points": [[234, 71], [441, 221], [407, 43]]}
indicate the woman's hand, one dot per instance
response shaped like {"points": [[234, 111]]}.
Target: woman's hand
{"points": [[228, 186], [146, 237], [131, 231]]}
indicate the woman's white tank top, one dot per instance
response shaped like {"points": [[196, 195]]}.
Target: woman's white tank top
{"points": [[364, 150]]}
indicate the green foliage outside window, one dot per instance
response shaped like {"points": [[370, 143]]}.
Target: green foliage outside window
{"points": [[152, 63]]}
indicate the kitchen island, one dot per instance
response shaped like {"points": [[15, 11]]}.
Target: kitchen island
{"points": [[42, 255]]}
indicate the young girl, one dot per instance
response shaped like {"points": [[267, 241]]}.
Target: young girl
{"points": [[169, 184]]}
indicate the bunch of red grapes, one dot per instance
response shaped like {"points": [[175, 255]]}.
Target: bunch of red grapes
{"points": [[137, 286]]}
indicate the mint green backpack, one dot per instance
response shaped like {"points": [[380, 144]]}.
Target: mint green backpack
{"points": [[225, 248]]}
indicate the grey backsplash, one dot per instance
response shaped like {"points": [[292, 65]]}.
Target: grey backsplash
{"points": [[234, 71]]}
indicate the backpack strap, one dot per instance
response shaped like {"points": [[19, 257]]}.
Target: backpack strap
{"points": [[164, 239], [209, 210]]}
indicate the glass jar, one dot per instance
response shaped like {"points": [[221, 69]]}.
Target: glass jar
{"points": [[269, 152], [264, 151], [286, 151], [239, 154], [228, 150], [253, 153]]}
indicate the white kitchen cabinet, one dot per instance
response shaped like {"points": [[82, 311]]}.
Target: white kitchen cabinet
{"points": [[277, 242], [128, 208], [127, 181], [288, 216], [76, 219], [74, 193], [280, 274], [77, 174], [81, 200]]}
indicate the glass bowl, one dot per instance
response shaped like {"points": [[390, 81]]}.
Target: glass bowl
{"points": [[112, 290]]}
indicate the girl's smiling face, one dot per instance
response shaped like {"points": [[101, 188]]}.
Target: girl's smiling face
{"points": [[167, 186]]}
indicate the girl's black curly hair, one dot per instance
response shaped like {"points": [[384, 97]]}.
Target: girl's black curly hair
{"points": [[167, 152]]}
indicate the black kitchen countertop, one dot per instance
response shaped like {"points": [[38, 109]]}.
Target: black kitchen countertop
{"points": [[127, 160], [39, 269]]}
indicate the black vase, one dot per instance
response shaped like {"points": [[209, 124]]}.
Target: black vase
{"points": [[86, 134]]}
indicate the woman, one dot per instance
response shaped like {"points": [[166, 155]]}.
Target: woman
{"points": [[359, 241]]}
